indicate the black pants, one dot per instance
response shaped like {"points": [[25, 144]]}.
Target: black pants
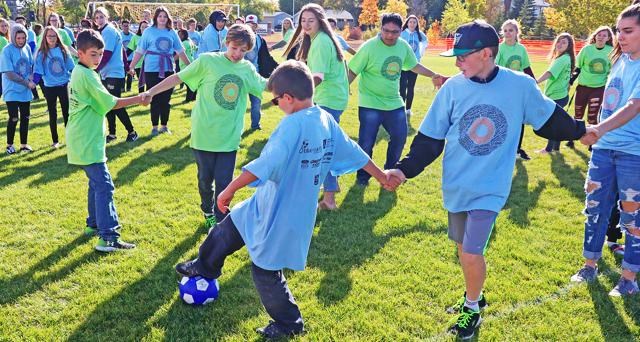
{"points": [[521, 137], [554, 145], [18, 111], [129, 81], [191, 95], [613, 231], [407, 86], [114, 87], [222, 241], [213, 167], [140, 85], [160, 106], [52, 94]]}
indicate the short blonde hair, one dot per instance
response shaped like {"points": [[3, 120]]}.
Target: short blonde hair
{"points": [[243, 34]]}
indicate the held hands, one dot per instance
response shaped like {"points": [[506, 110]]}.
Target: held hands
{"points": [[32, 85], [438, 80], [591, 136], [132, 72], [145, 98], [395, 177], [224, 199]]}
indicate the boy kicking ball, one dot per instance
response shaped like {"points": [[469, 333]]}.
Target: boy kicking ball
{"points": [[276, 223], [89, 103]]}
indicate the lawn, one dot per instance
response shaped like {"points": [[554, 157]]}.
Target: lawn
{"points": [[380, 268]]}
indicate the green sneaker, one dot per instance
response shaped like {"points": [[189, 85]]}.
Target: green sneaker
{"points": [[112, 246], [466, 323], [457, 307], [209, 221], [90, 231]]}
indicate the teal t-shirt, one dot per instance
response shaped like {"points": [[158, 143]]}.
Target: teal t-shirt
{"points": [[20, 61], [222, 86], [594, 65], [379, 66], [89, 102], [55, 69], [482, 132], [514, 57], [333, 91], [557, 86]]}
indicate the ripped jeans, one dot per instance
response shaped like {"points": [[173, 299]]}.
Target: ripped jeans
{"points": [[610, 172]]}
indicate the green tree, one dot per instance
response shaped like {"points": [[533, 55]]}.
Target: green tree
{"points": [[369, 14], [454, 15], [592, 14], [527, 16], [515, 8], [396, 6]]}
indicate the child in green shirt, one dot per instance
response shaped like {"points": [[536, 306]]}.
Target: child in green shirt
{"points": [[89, 103], [189, 49], [223, 79]]}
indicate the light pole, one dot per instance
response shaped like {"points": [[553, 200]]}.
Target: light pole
{"points": [[293, 9]]}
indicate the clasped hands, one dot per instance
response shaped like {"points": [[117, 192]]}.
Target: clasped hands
{"points": [[394, 178], [145, 98], [591, 136]]}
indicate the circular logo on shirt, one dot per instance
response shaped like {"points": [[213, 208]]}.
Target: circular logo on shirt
{"points": [[56, 66], [515, 63], [163, 44], [227, 90], [483, 128], [597, 66], [612, 97], [391, 68], [22, 67]]}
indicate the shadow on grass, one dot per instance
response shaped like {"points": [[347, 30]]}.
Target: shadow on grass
{"points": [[26, 283], [253, 151], [521, 199], [570, 177]]}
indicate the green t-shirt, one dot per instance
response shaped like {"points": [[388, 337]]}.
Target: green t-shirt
{"points": [[333, 91], [594, 65], [188, 50], [557, 86], [3, 42], [64, 36], [217, 117], [514, 57], [133, 45], [38, 40], [379, 67], [89, 102], [287, 36]]}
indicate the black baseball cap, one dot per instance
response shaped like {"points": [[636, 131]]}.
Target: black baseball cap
{"points": [[472, 36], [217, 15]]}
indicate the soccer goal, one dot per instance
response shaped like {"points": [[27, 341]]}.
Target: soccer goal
{"points": [[133, 10]]}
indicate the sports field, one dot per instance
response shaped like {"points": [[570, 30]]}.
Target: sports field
{"points": [[380, 268]]}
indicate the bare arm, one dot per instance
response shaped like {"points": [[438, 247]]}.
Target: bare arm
{"points": [[13, 76], [224, 198], [351, 76], [373, 169], [620, 117], [166, 84], [424, 71], [184, 58], [134, 61], [544, 77], [351, 51], [128, 101]]}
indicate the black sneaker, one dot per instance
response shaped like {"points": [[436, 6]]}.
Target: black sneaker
{"points": [[457, 307], [26, 148], [274, 331], [523, 155], [188, 268], [111, 138], [112, 246], [11, 149], [133, 136], [466, 323]]}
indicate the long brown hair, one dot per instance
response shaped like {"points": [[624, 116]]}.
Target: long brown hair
{"points": [[157, 13], [569, 51], [44, 47], [406, 25], [6, 35], [629, 12], [592, 37], [305, 44]]}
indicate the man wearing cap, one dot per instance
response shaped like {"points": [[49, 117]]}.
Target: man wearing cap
{"points": [[481, 129], [214, 34]]}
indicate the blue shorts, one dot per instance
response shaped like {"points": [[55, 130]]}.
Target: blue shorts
{"points": [[472, 229]]}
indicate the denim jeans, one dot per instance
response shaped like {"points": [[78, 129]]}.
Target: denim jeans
{"points": [[102, 209], [394, 122], [554, 145], [255, 111], [612, 172], [213, 167], [224, 240], [331, 182]]}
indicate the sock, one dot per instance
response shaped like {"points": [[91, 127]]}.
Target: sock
{"points": [[471, 304]]}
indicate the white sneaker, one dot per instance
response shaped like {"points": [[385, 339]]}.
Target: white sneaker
{"points": [[408, 111]]}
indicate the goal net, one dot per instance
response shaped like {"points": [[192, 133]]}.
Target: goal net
{"points": [[133, 10]]}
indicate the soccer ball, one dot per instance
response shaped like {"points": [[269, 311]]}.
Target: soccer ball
{"points": [[198, 290]]}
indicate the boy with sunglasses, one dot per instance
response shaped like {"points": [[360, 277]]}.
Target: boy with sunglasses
{"points": [[222, 81], [481, 128]]}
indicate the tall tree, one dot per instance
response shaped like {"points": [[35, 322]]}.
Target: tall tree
{"points": [[527, 16], [515, 8], [369, 14], [454, 15], [396, 6], [591, 14], [417, 7]]}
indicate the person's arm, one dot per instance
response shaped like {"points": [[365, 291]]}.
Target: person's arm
{"points": [[574, 76], [351, 76], [424, 71], [372, 169], [106, 56], [165, 85], [225, 197], [136, 57], [544, 77], [529, 72], [184, 58], [128, 101], [424, 150], [561, 126], [13, 76], [278, 45], [620, 117], [351, 51]]}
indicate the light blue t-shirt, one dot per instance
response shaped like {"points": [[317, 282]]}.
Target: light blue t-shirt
{"points": [[481, 125], [70, 33], [212, 40], [126, 38], [623, 84], [252, 56], [418, 46], [343, 43], [31, 40], [276, 223], [55, 69], [112, 42], [195, 37], [156, 45], [20, 61]]}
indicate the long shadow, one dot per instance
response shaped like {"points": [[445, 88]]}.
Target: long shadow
{"points": [[521, 199], [570, 177], [346, 240], [253, 151], [177, 156], [631, 304], [26, 283], [585, 157], [125, 315], [612, 324]]}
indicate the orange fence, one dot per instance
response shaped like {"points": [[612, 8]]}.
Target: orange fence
{"points": [[536, 48]]}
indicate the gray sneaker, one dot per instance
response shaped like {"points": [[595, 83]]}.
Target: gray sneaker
{"points": [[154, 131], [625, 287], [586, 274]]}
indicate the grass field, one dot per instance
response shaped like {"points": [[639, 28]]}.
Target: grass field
{"points": [[380, 268]]}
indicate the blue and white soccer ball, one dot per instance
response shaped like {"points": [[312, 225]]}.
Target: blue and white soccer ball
{"points": [[198, 290]]}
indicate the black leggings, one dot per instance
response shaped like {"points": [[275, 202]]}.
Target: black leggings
{"points": [[407, 85], [114, 87], [52, 94], [13, 107], [160, 106], [140, 85]]}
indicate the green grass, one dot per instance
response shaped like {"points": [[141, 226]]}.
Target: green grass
{"points": [[380, 268]]}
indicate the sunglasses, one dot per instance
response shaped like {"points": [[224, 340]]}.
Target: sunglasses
{"points": [[461, 58], [276, 100]]}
